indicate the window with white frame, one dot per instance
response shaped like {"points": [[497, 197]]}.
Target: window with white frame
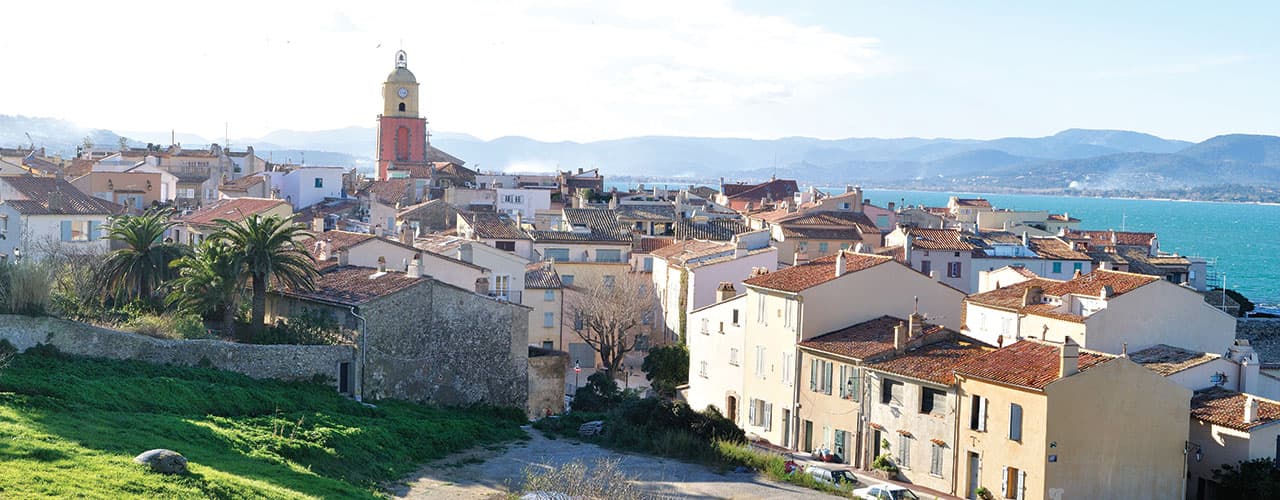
{"points": [[820, 376], [706, 326], [1015, 422], [849, 388], [786, 314], [788, 362], [733, 356], [978, 413], [759, 361], [760, 317], [702, 369]]}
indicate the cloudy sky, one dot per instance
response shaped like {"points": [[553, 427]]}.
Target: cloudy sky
{"points": [[579, 70]]}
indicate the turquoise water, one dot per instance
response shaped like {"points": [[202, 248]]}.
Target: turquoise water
{"points": [[1243, 238]]}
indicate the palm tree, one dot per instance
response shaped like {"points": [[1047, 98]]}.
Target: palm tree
{"points": [[139, 268], [269, 249], [209, 279]]}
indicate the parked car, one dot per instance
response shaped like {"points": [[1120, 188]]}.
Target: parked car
{"points": [[833, 477], [884, 492]]}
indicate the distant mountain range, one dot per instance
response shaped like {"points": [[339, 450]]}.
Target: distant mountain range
{"points": [[1090, 161]]}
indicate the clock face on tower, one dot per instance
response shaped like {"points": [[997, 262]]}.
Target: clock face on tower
{"points": [[403, 92]]}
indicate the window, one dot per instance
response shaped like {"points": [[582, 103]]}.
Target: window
{"points": [[509, 246], [1080, 267], [953, 269], [904, 451], [788, 361], [978, 413], [401, 106], [548, 319], [760, 361], [822, 247], [820, 376], [548, 345], [844, 246], [926, 267], [557, 254], [760, 318], [566, 279], [608, 255], [706, 326], [702, 369], [1057, 267], [844, 206], [76, 230], [935, 460], [733, 356], [319, 182], [548, 295], [577, 321], [802, 246], [849, 388], [786, 315], [735, 317], [933, 401], [501, 286], [882, 221], [760, 414], [1015, 422], [648, 264], [1012, 481], [890, 392]]}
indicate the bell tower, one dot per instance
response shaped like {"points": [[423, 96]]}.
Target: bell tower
{"points": [[402, 133]]}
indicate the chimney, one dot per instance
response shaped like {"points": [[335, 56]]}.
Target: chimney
{"points": [[1250, 409], [1076, 275], [840, 263], [406, 236], [915, 326], [800, 258], [382, 264], [613, 202], [891, 205], [1113, 237], [1243, 353], [342, 257], [740, 248], [860, 247], [899, 337], [1031, 295], [725, 291], [414, 269], [1069, 363], [579, 170], [857, 199], [482, 285], [317, 223], [1024, 239], [848, 188], [1106, 292]]}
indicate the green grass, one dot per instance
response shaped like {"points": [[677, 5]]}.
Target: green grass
{"points": [[71, 427]]}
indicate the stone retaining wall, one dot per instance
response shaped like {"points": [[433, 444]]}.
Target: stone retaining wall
{"points": [[283, 362]]}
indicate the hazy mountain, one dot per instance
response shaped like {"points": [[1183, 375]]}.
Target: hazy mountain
{"points": [[1071, 159]]}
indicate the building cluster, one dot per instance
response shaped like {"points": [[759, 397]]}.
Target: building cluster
{"points": [[966, 345]]}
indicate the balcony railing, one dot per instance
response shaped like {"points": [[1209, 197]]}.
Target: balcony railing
{"points": [[513, 296]]}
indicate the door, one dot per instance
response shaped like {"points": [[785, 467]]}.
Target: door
{"points": [[731, 408], [808, 435], [875, 444], [786, 428], [975, 464], [838, 445], [344, 378]]}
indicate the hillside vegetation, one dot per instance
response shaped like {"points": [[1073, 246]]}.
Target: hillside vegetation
{"points": [[70, 427]]}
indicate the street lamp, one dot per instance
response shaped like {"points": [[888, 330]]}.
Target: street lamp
{"points": [[576, 370]]}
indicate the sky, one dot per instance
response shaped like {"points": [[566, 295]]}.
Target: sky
{"points": [[590, 70]]}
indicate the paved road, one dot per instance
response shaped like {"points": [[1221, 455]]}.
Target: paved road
{"points": [[489, 473]]}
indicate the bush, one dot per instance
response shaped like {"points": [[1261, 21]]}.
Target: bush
{"points": [[24, 288], [74, 294], [601, 393], [167, 326], [883, 463], [666, 368], [309, 328]]}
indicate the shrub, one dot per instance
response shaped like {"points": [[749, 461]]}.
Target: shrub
{"points": [[308, 328], [575, 479], [167, 326], [883, 463], [666, 368], [25, 288]]}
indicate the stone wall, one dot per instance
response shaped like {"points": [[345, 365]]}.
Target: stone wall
{"points": [[441, 344], [546, 381], [1264, 335], [284, 362]]}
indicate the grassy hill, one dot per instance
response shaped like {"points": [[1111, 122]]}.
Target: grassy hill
{"points": [[70, 427]]}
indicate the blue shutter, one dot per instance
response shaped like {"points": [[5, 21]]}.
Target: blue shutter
{"points": [[93, 230], [1015, 422], [66, 230]]}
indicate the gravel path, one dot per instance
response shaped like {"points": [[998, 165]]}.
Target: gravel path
{"points": [[487, 473]]}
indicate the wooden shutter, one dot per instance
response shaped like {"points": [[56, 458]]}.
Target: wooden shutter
{"points": [[982, 415]]}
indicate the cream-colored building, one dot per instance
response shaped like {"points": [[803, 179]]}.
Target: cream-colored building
{"points": [[792, 305], [1049, 421], [1228, 427], [543, 292], [687, 274], [1103, 310], [716, 355]]}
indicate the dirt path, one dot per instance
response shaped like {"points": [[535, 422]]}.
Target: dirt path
{"points": [[486, 473]]}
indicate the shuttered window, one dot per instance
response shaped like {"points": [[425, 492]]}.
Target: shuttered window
{"points": [[935, 460], [1015, 422], [557, 254]]}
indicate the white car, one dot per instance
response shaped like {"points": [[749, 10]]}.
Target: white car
{"points": [[884, 492]]}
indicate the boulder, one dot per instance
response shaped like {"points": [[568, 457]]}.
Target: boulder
{"points": [[163, 461]]}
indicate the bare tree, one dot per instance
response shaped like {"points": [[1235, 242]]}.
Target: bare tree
{"points": [[607, 311]]}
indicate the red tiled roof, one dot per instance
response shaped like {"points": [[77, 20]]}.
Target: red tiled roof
{"points": [[390, 191], [973, 202], [1226, 408], [938, 239], [1168, 360], [776, 189], [1091, 284], [541, 276], [649, 244], [1009, 297], [821, 233], [244, 183], [337, 240], [816, 272], [1062, 218], [830, 218], [350, 285], [691, 249], [1123, 238], [1028, 363], [934, 362], [54, 196], [234, 209], [864, 340], [1055, 249], [493, 226]]}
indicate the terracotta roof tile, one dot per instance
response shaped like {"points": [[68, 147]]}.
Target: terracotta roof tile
{"points": [[934, 362], [713, 229], [648, 244], [244, 183], [830, 219], [1055, 249], [1091, 284], [53, 196], [865, 340], [821, 233], [1009, 297], [539, 276], [816, 272], [647, 212], [938, 239], [1168, 360], [494, 226], [336, 240], [390, 192], [973, 202], [683, 251], [234, 209], [1225, 407], [1103, 238], [776, 189], [350, 285], [1028, 363]]}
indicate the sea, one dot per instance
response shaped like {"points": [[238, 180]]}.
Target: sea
{"points": [[1240, 240]]}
